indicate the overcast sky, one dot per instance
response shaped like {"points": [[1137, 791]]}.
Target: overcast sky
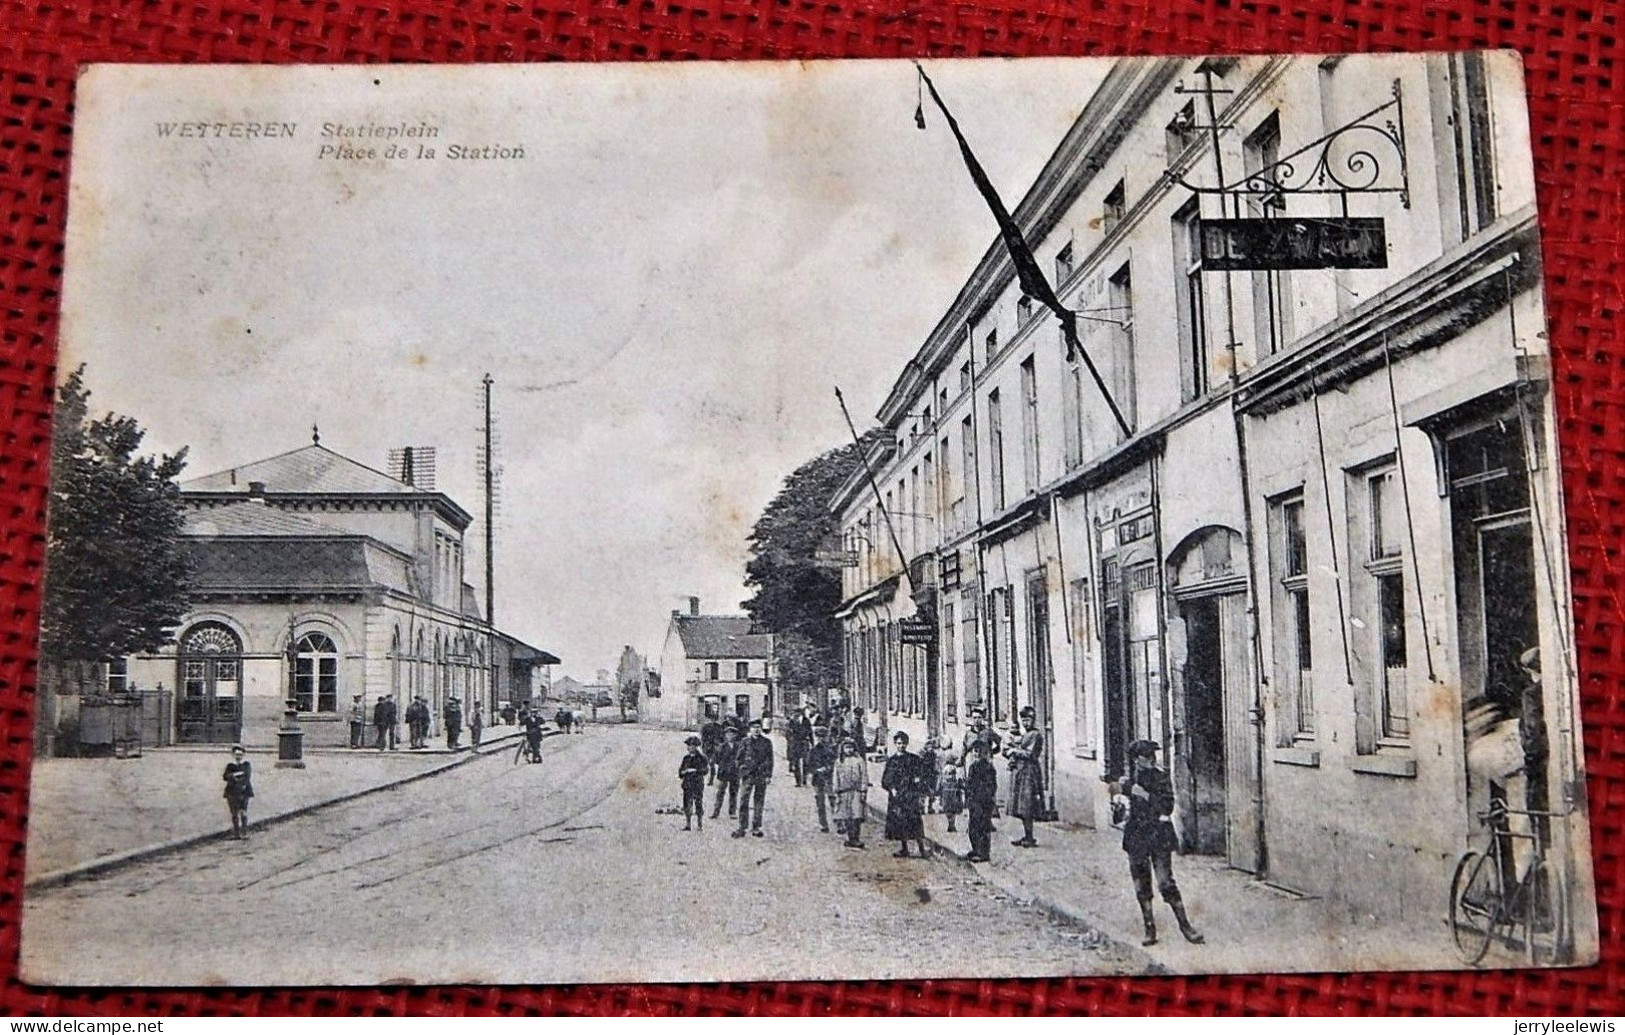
{"points": [[665, 288]]}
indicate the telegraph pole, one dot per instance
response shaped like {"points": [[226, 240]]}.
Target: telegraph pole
{"points": [[490, 512]]}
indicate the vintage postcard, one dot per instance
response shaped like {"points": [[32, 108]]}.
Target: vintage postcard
{"points": [[804, 521]]}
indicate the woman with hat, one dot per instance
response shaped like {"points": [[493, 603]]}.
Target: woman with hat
{"points": [[1150, 840], [903, 779], [1026, 757]]}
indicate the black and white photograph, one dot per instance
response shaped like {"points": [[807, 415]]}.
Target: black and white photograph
{"points": [[804, 521]]}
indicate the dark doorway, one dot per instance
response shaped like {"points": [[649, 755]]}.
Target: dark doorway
{"points": [[1506, 554], [1117, 699], [1204, 820], [1040, 685]]}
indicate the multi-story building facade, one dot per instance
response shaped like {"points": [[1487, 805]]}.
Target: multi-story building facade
{"points": [[1309, 566]]}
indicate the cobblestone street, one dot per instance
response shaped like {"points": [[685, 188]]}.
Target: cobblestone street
{"points": [[561, 872]]}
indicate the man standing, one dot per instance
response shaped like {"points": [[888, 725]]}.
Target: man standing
{"points": [[1150, 840], [710, 741], [476, 725], [358, 721], [726, 763], [413, 741], [797, 741], [838, 726], [820, 769], [755, 770], [383, 722], [860, 733], [979, 732], [533, 736], [454, 722]]}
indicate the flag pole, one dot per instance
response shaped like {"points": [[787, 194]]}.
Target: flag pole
{"points": [[863, 458], [1028, 272]]}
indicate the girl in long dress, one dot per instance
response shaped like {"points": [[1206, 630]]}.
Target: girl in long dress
{"points": [[850, 783], [902, 778]]}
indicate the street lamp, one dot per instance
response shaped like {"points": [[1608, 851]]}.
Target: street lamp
{"points": [[290, 737]]}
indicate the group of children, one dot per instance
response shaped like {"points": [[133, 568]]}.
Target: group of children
{"points": [[948, 780], [963, 782]]}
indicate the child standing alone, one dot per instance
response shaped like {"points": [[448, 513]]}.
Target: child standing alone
{"points": [[239, 788], [950, 787], [691, 773]]}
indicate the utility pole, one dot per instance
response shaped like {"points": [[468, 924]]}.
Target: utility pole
{"points": [[490, 513]]}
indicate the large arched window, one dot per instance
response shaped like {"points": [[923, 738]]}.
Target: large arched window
{"points": [[316, 674]]}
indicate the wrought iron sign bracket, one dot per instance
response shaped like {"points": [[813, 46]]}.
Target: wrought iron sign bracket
{"points": [[1356, 158]]}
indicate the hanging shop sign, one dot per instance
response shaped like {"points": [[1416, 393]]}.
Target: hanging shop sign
{"points": [[917, 631], [1336, 243]]}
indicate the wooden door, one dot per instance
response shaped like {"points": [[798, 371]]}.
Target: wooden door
{"points": [[209, 703], [1241, 736]]}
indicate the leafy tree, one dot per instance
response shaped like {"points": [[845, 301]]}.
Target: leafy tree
{"points": [[115, 570], [796, 595]]}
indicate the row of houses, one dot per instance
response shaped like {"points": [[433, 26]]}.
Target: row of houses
{"points": [[320, 582], [1308, 567]]}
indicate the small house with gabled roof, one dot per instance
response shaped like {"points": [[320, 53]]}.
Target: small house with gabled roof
{"points": [[710, 666]]}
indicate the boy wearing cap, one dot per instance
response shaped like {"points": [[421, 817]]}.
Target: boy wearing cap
{"points": [[821, 769], [725, 763], [1150, 840], [981, 795], [691, 774]]}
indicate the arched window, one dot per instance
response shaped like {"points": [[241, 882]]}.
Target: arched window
{"points": [[395, 662], [420, 664], [211, 638], [316, 674], [445, 669]]}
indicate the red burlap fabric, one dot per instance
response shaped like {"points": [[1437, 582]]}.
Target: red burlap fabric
{"points": [[1572, 50]]}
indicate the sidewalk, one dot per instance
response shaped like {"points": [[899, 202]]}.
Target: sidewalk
{"points": [[96, 812], [435, 745], [1250, 925]]}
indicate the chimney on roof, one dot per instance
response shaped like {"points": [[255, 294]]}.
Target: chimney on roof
{"points": [[694, 606], [256, 490], [676, 613]]}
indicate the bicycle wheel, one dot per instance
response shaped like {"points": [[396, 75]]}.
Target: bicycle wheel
{"points": [[1477, 904], [1539, 914]]}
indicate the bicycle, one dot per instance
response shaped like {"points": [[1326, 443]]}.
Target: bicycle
{"points": [[1490, 901]]}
